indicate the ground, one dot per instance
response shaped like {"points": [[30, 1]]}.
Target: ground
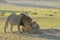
{"points": [[48, 20]]}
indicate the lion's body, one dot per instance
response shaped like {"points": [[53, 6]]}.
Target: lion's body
{"points": [[18, 20], [13, 19]]}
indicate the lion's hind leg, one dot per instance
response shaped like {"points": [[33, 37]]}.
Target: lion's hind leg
{"points": [[6, 25]]}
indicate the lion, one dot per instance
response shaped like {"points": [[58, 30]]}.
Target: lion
{"points": [[19, 20], [34, 27]]}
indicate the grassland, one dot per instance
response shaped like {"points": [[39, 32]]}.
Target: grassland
{"points": [[46, 18]]}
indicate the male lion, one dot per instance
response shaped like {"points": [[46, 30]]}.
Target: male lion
{"points": [[18, 20]]}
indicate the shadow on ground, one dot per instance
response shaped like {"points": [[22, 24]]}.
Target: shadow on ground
{"points": [[49, 34], [43, 34]]}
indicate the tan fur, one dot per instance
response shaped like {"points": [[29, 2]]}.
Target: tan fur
{"points": [[23, 29]]}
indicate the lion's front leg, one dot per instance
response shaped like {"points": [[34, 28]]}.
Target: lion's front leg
{"points": [[24, 29]]}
